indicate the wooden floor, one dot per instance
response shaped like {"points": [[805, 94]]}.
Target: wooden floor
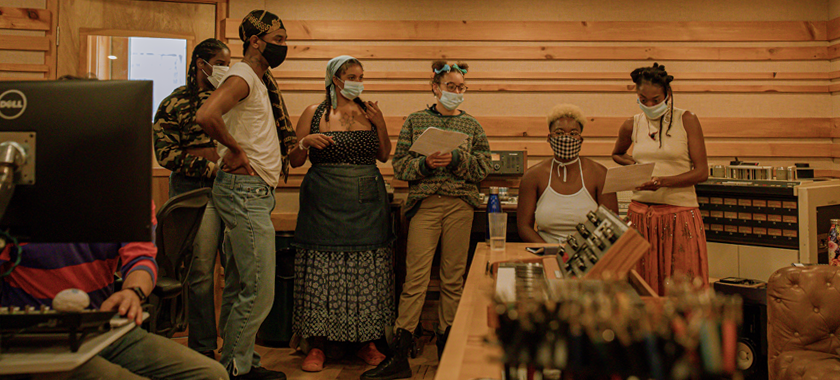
{"points": [[286, 360]]}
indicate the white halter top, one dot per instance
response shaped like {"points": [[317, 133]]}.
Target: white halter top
{"points": [[557, 215]]}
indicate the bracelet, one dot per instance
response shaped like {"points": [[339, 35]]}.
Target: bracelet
{"points": [[300, 145]]}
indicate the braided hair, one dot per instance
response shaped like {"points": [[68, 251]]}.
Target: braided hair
{"points": [[656, 75], [206, 50], [341, 70]]}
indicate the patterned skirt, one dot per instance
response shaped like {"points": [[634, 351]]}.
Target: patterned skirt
{"points": [[343, 296], [677, 243]]}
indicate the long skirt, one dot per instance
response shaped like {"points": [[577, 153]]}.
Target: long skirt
{"points": [[677, 243], [343, 296]]}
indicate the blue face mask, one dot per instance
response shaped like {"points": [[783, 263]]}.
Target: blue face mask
{"points": [[451, 100], [654, 112]]}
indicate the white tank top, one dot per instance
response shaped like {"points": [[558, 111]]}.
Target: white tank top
{"points": [[557, 215], [671, 159]]}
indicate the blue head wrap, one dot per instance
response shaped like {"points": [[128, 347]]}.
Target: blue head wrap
{"points": [[332, 67]]}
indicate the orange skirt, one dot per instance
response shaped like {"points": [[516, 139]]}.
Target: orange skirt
{"points": [[677, 243]]}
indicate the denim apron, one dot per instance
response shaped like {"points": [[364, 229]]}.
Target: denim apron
{"points": [[343, 208]]}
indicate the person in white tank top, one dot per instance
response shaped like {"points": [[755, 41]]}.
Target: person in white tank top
{"points": [[556, 194], [665, 210]]}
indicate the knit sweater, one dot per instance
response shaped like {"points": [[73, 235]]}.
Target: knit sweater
{"points": [[470, 162]]}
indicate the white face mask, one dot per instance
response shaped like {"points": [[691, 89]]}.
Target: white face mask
{"points": [[451, 100], [654, 112], [219, 73], [351, 90]]}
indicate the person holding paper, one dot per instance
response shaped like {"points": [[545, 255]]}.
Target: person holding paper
{"points": [[556, 194], [343, 270], [443, 192], [665, 209]]}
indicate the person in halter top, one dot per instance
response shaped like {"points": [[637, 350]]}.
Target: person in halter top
{"points": [[556, 194], [665, 210]]}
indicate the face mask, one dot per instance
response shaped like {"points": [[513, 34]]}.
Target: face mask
{"points": [[219, 73], [565, 147], [351, 89], [451, 100], [274, 54], [654, 112]]}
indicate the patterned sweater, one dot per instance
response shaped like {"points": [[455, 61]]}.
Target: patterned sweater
{"points": [[175, 131], [470, 162]]}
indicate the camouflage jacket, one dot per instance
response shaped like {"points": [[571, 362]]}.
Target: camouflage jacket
{"points": [[175, 130]]}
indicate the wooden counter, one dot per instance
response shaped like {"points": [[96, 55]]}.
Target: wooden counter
{"points": [[467, 355]]}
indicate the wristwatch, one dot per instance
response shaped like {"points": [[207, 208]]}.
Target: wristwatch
{"points": [[140, 294]]}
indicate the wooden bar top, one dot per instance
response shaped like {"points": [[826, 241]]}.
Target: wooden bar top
{"points": [[467, 354]]}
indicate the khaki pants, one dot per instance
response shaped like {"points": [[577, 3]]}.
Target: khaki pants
{"points": [[444, 219]]}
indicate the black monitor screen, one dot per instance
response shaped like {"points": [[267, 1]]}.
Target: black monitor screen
{"points": [[92, 152]]}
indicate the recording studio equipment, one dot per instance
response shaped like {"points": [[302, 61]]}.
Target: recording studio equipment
{"points": [[752, 341]]}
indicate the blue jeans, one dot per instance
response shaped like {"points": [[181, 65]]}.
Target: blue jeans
{"points": [[141, 355], [245, 203], [201, 315]]}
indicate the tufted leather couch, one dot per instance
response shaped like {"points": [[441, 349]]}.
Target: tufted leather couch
{"points": [[803, 323]]}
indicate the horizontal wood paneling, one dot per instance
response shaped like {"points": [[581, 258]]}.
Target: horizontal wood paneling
{"points": [[513, 52], [410, 30], [493, 87], [833, 29], [24, 18], [713, 127], [24, 43], [559, 75], [22, 67]]}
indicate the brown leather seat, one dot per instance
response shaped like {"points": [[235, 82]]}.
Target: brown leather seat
{"points": [[803, 323]]}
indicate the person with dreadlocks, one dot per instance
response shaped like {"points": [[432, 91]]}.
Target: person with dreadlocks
{"points": [[184, 148], [180, 144], [442, 197], [343, 270], [248, 117], [665, 209]]}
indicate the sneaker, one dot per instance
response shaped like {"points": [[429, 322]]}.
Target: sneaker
{"points": [[260, 373], [314, 361]]}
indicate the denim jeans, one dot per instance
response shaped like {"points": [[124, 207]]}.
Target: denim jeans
{"points": [[201, 315], [141, 355], [245, 203]]}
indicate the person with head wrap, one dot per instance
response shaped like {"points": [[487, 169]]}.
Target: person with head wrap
{"points": [[556, 194], [184, 148], [442, 197], [248, 118], [343, 270]]}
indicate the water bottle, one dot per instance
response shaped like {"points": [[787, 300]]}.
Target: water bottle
{"points": [[493, 205], [834, 243]]}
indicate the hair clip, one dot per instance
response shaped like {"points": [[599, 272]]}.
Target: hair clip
{"points": [[463, 71], [444, 69]]}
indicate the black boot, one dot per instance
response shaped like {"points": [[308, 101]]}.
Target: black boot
{"points": [[440, 341], [396, 366]]}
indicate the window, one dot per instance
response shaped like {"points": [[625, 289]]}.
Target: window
{"points": [[161, 60]]}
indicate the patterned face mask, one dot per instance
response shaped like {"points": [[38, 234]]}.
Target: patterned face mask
{"points": [[566, 147]]}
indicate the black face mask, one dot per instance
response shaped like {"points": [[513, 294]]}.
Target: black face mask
{"points": [[274, 54]]}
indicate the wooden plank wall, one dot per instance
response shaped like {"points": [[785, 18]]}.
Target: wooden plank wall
{"points": [[775, 76], [27, 41]]}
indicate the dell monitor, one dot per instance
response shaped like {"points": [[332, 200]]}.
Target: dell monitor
{"points": [[88, 171]]}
